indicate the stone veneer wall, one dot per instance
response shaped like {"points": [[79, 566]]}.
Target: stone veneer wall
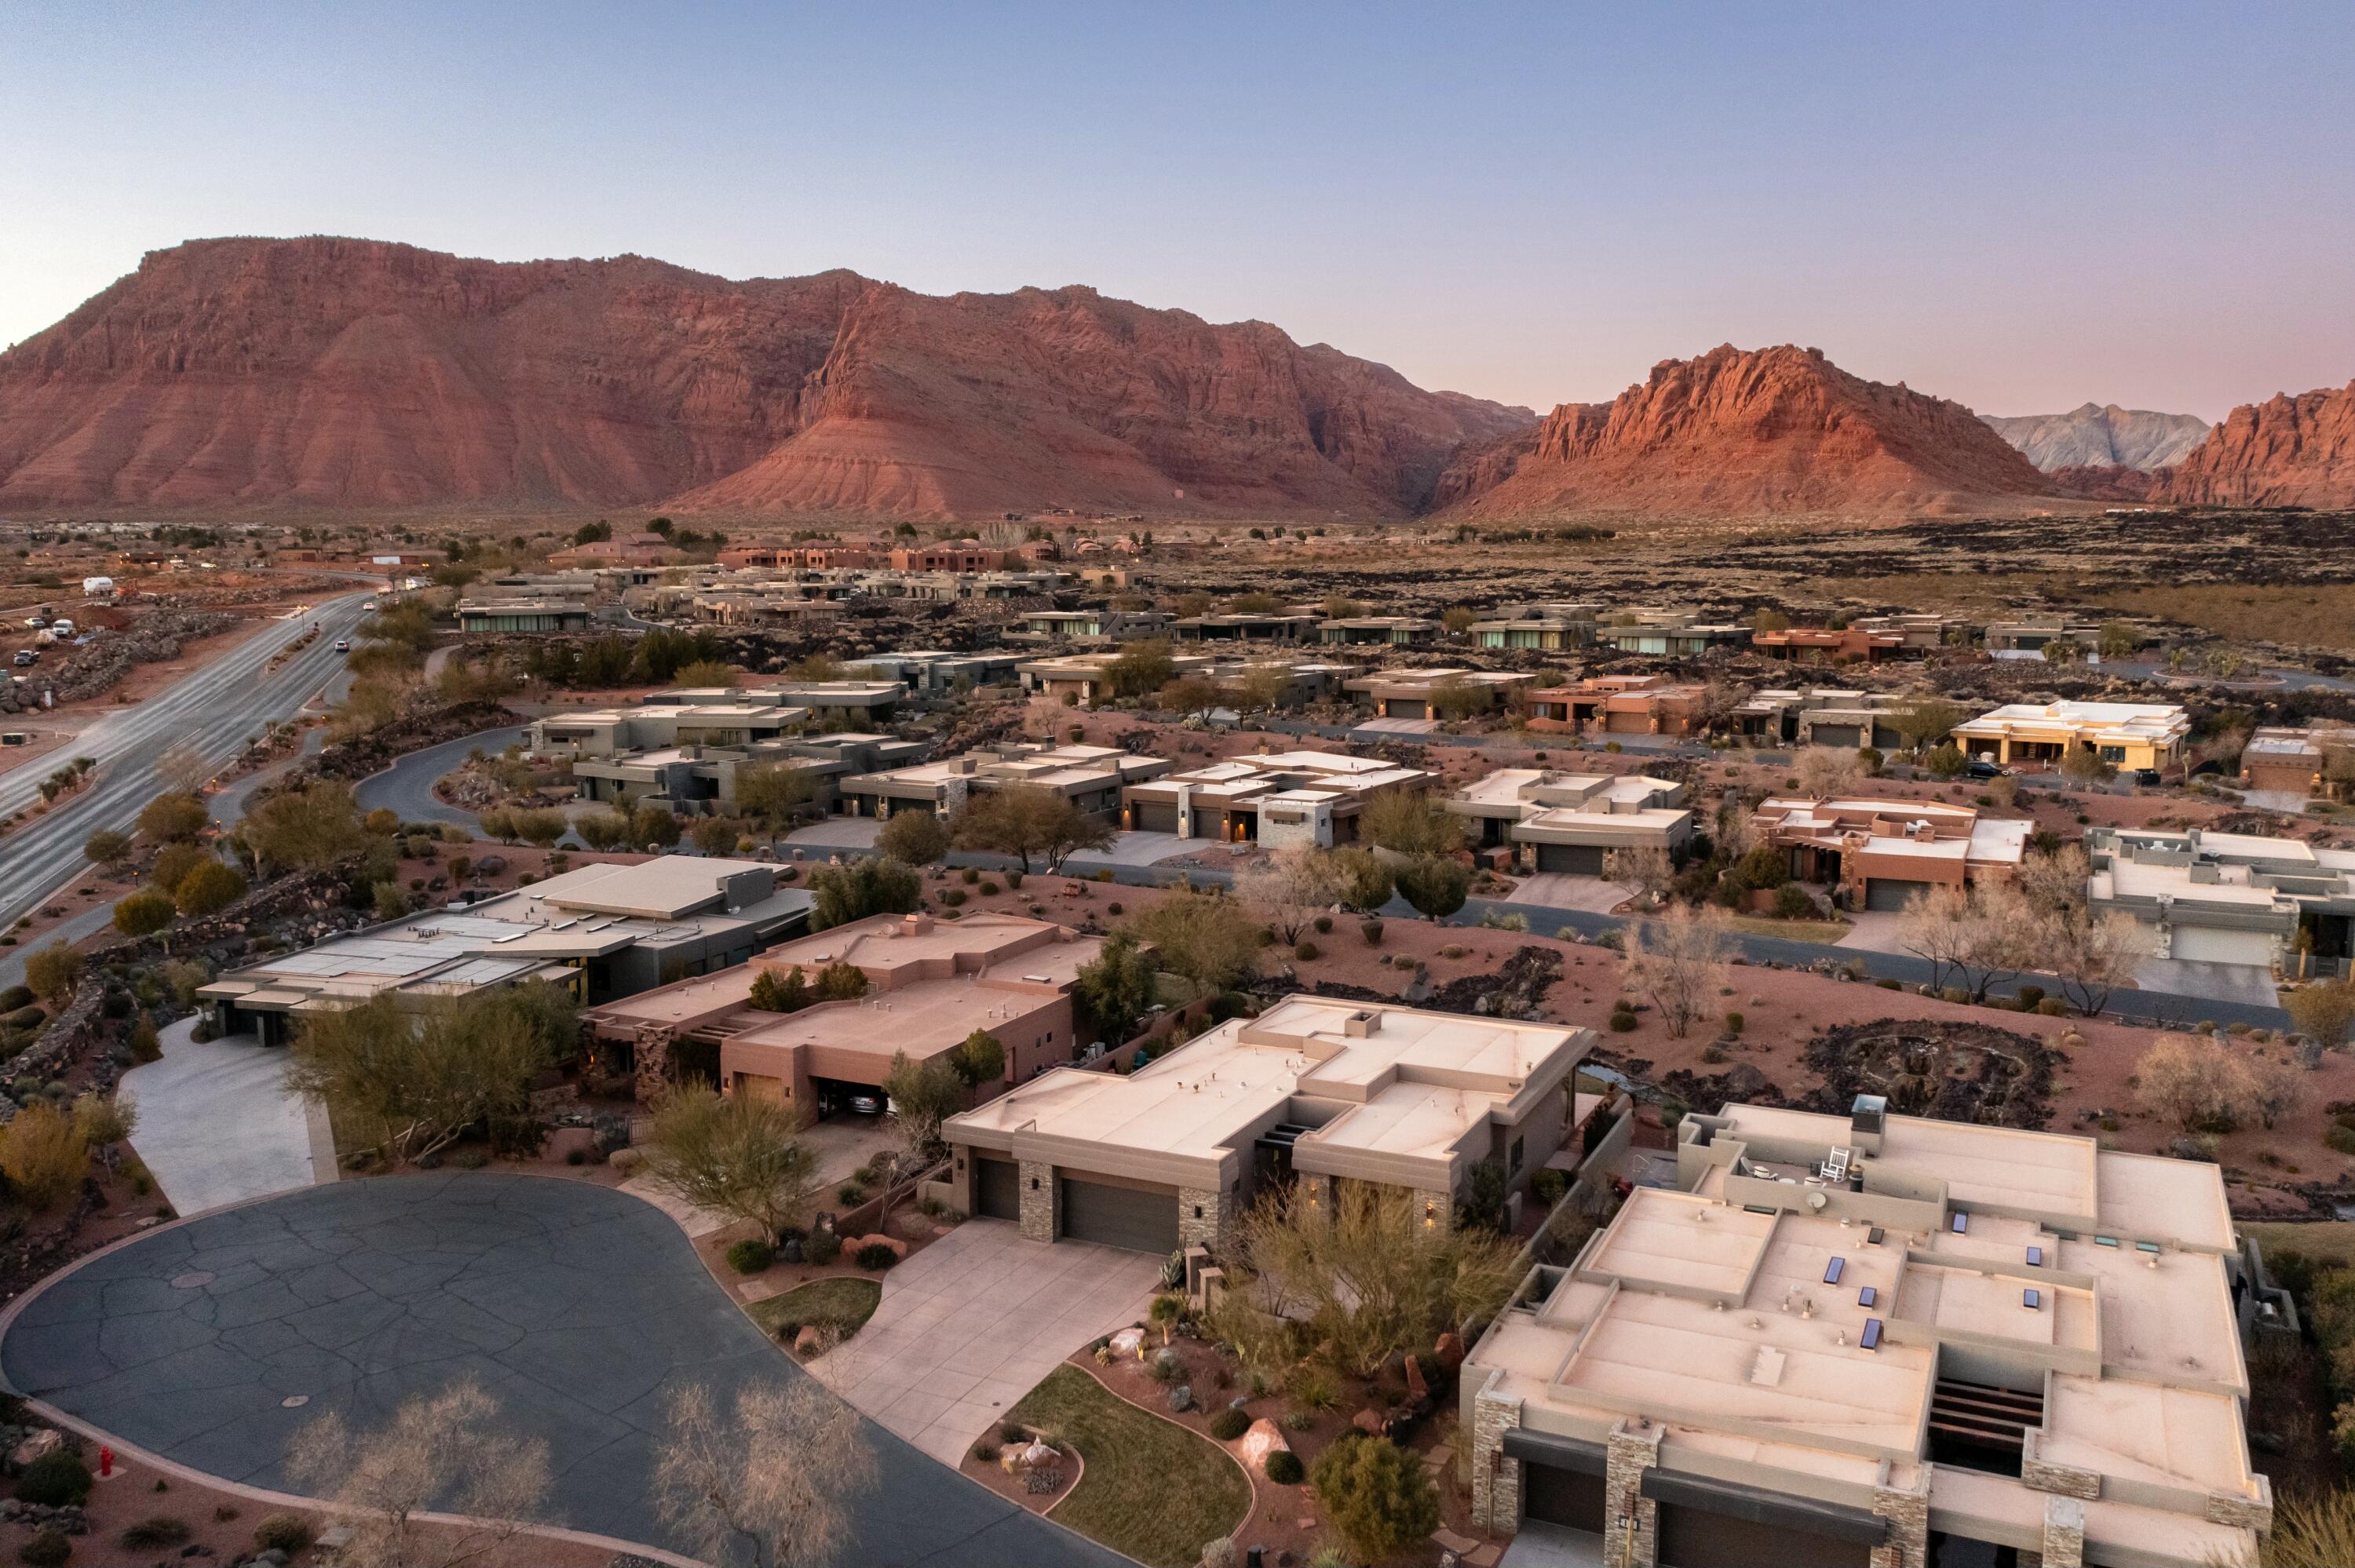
{"points": [[1218, 1213], [1908, 1513], [1041, 1200], [1629, 1452], [2064, 1532], [1495, 1479]]}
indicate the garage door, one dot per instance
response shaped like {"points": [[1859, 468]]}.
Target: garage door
{"points": [[1891, 895], [1627, 724], [998, 1189], [1585, 859], [1841, 735], [1696, 1538], [1130, 1217], [2204, 945], [1408, 708], [1556, 1496], [1151, 818]]}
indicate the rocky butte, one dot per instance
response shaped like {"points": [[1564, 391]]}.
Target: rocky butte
{"points": [[2100, 436], [1743, 432], [2284, 451]]}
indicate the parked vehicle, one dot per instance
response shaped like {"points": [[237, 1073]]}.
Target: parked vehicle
{"points": [[61, 627], [25, 656], [864, 1103], [2148, 778], [1980, 767]]}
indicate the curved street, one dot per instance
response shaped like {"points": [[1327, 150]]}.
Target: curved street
{"points": [[580, 1309], [407, 787]]}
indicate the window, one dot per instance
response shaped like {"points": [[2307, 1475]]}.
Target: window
{"points": [[2105, 1241], [1871, 1341], [2031, 1298], [2114, 754], [1520, 1149], [1962, 1223], [1833, 1270], [2036, 1257], [1867, 1295]]}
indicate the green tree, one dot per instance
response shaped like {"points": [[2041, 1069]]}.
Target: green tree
{"points": [[840, 982], [1141, 669], [913, 837], [1458, 619], [1927, 720], [1207, 938], [1770, 620], [1117, 988], [1376, 1495], [172, 865], [542, 829], [52, 971], [1414, 822], [603, 831], [706, 672], [142, 913], [1364, 879], [1027, 819], [173, 818], [306, 828], [209, 887], [1255, 603], [2323, 1008], [979, 1059], [923, 1095], [872, 885], [715, 835], [2083, 765], [1945, 761], [2064, 650], [773, 797], [1434, 885], [772, 993], [2116, 640], [107, 849], [734, 1154], [654, 825]]}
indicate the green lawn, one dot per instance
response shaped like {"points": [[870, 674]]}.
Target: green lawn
{"points": [[844, 1300], [1152, 1488]]}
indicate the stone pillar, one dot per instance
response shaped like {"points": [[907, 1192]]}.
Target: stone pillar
{"points": [[1631, 1521], [2249, 1514], [962, 1178], [1907, 1509], [1203, 1217], [2064, 1532], [651, 1055], [1042, 1218], [1495, 1479]]}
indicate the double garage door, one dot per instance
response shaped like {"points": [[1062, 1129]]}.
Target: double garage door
{"points": [[1585, 859], [1154, 818], [1841, 735], [1136, 1219], [2206, 945], [1702, 1523], [1889, 895]]}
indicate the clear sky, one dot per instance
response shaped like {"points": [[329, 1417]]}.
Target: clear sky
{"points": [[2020, 206]]}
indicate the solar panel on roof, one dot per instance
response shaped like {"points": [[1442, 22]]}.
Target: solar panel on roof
{"points": [[1871, 1340], [1962, 1223], [1867, 1295], [2031, 1298], [2036, 1257], [1833, 1269]]}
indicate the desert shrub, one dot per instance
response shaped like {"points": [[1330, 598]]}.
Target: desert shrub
{"points": [[822, 1247], [969, 876], [1377, 1495], [2341, 1138], [1312, 1387], [1305, 950], [1014, 879], [49, 1548], [142, 913], [1323, 924], [45, 1153], [1622, 1020], [875, 1257], [287, 1532], [1792, 903], [27, 1018], [851, 1194], [1285, 1469], [751, 1256], [14, 997], [1228, 1424], [57, 1479], [1547, 1185], [160, 1529], [986, 1451], [2029, 995], [951, 897], [2053, 1007], [142, 1045], [1734, 1022]]}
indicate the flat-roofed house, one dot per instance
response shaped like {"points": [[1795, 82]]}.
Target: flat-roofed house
{"points": [[654, 724], [1235, 626], [1918, 631], [1313, 1090], [1086, 680], [1570, 821], [687, 780], [1094, 625], [1091, 777], [1863, 1340], [1442, 692], [523, 613], [1286, 798], [1851, 644], [1672, 636], [930, 983], [1886, 851], [2029, 634], [2304, 761], [1619, 704], [932, 672], [2229, 898], [2127, 735], [1818, 715], [1397, 631], [1547, 626], [603, 931]]}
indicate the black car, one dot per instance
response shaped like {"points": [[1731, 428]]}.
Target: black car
{"points": [[1980, 767], [2148, 778]]}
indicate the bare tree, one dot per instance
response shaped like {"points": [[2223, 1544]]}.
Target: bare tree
{"points": [[184, 769], [2195, 1081], [1828, 771], [1644, 870], [1998, 935], [2093, 955], [1289, 892], [735, 1155], [1932, 929], [1679, 959], [774, 1487], [447, 1451]]}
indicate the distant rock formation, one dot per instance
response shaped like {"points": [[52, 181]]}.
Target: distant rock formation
{"points": [[2284, 451], [2113, 482], [1760, 432], [2100, 435], [357, 374]]}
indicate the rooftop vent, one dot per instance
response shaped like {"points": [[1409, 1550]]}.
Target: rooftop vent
{"points": [[1361, 1024], [1868, 1113]]}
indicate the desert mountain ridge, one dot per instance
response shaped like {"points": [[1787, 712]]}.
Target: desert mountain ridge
{"points": [[360, 375]]}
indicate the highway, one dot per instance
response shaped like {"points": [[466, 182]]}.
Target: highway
{"points": [[216, 710]]}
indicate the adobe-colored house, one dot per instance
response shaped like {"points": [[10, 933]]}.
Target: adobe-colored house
{"points": [[1618, 704], [1885, 852], [1822, 645]]}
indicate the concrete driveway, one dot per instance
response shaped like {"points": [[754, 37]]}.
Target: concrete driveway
{"points": [[1138, 849], [1875, 931], [216, 1125], [974, 1322], [2251, 983], [1567, 890], [822, 838], [581, 1309]]}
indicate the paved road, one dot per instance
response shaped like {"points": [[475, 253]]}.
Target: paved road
{"points": [[407, 787], [580, 1309], [216, 709]]}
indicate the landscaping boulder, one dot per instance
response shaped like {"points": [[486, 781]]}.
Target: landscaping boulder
{"points": [[1036, 1454], [627, 1162], [1371, 1421], [1449, 1351], [1181, 1398], [41, 1442], [1263, 1439]]}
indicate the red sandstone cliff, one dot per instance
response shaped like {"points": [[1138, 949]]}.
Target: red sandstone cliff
{"points": [[2284, 451], [356, 374], [1776, 430]]}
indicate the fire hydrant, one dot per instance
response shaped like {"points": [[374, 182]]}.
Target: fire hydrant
{"points": [[105, 1464]]}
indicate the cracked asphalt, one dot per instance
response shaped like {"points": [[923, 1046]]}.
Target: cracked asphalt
{"points": [[582, 1308]]}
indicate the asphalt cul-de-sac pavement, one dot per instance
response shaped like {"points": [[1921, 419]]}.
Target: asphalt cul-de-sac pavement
{"points": [[580, 1309]]}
